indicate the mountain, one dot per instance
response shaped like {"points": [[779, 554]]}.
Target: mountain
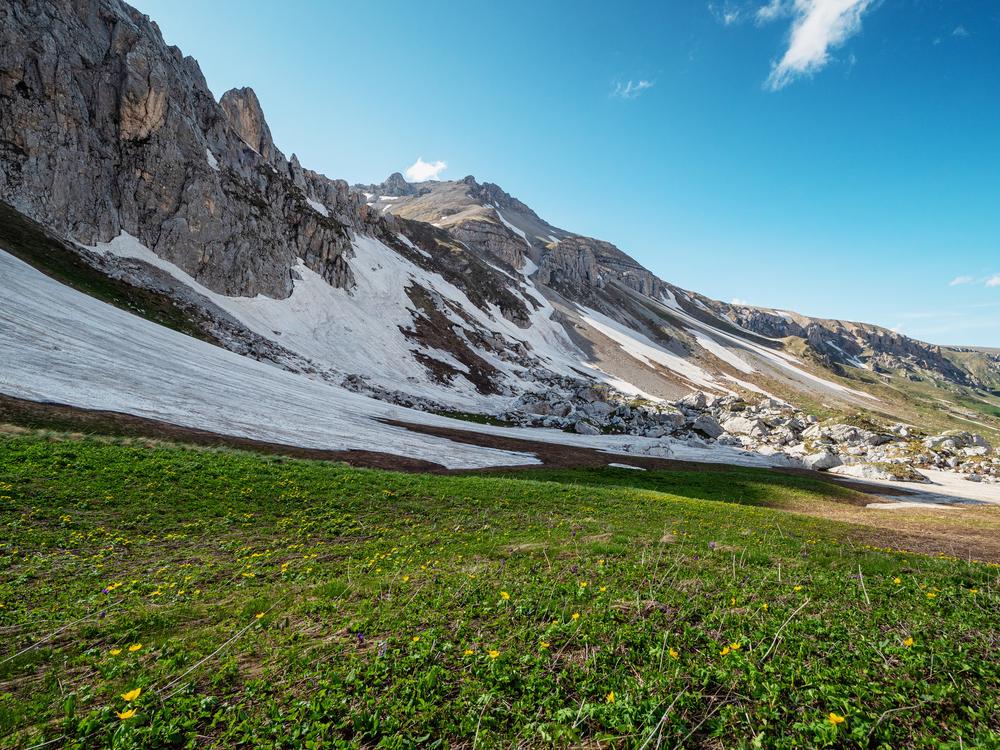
{"points": [[117, 160]]}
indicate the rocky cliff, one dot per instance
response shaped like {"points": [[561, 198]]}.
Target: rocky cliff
{"points": [[104, 129]]}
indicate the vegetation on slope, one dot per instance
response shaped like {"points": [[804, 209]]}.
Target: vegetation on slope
{"points": [[169, 597]]}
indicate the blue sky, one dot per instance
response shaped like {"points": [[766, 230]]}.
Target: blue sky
{"points": [[840, 158]]}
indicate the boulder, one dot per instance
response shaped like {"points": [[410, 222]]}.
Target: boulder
{"points": [[822, 461], [583, 427], [708, 426]]}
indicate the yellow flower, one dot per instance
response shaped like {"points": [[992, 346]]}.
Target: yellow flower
{"points": [[835, 718], [735, 646], [764, 606], [725, 650], [504, 595], [897, 580], [258, 615], [543, 645], [611, 697], [973, 591], [469, 651], [732, 601], [415, 638], [576, 615], [583, 584], [131, 695], [797, 588], [908, 642], [126, 714], [405, 579], [493, 653], [602, 589], [600, 562], [931, 595], [135, 647], [115, 651], [674, 653]]}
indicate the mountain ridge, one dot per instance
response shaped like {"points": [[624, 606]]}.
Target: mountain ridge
{"points": [[451, 294]]}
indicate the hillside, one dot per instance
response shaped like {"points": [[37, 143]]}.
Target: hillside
{"points": [[353, 314], [218, 599]]}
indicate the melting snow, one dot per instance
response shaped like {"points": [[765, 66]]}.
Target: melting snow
{"points": [[511, 227], [317, 207], [646, 351], [212, 161]]}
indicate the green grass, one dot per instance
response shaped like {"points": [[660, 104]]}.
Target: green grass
{"points": [[384, 620]]}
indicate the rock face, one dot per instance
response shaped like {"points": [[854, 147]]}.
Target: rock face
{"points": [[105, 129]]}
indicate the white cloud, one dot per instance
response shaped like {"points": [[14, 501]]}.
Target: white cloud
{"points": [[960, 31], [818, 27], [993, 280], [727, 15], [959, 280], [421, 170], [738, 301], [630, 89], [774, 10]]}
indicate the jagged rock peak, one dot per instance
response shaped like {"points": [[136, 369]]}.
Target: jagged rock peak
{"points": [[246, 117]]}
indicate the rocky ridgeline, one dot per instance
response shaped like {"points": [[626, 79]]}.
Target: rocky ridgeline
{"points": [[768, 426]]}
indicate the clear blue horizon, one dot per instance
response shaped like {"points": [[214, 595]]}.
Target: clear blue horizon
{"points": [[839, 158]]}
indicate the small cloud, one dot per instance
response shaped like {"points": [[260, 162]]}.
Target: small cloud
{"points": [[630, 89], [960, 280], [960, 31], [993, 280], [728, 14], [420, 170], [773, 10], [818, 27], [738, 301]]}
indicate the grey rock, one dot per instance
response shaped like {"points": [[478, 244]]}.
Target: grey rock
{"points": [[707, 425], [822, 460], [584, 427]]}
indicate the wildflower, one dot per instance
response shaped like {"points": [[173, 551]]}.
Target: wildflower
{"points": [[469, 651], [764, 606], [725, 651], [505, 596], [674, 653], [123, 715], [897, 580], [583, 584], [406, 579], [600, 562], [796, 588], [908, 642], [135, 647], [576, 615], [732, 601], [973, 591], [611, 697], [493, 653], [835, 718], [258, 615], [735, 646], [415, 638], [131, 695], [931, 595], [602, 589], [115, 651], [543, 645]]}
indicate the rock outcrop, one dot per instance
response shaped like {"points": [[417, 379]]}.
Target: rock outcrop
{"points": [[105, 129]]}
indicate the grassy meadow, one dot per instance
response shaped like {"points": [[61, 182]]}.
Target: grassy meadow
{"points": [[157, 596]]}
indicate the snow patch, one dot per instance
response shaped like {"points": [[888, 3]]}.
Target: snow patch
{"points": [[317, 207]]}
